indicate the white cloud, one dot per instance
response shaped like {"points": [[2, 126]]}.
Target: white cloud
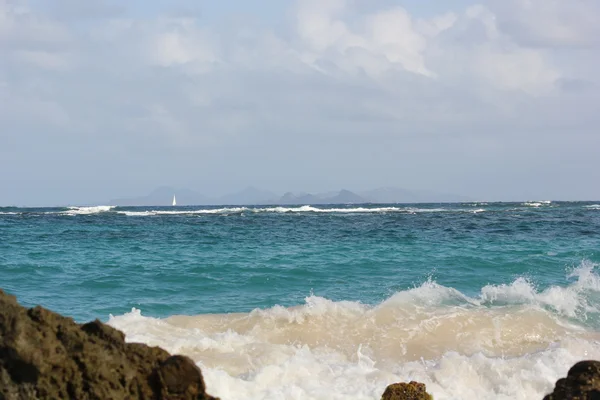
{"points": [[382, 40], [319, 26], [477, 50], [392, 34], [436, 25], [180, 41], [516, 69], [338, 82], [30, 39]]}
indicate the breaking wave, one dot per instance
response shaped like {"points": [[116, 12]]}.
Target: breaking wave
{"points": [[537, 203], [509, 342], [87, 210], [293, 210], [463, 208]]}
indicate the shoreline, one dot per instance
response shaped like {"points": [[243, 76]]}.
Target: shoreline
{"points": [[45, 355]]}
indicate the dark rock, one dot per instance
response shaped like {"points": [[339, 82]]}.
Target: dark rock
{"points": [[44, 355], [582, 383], [406, 391], [180, 378]]}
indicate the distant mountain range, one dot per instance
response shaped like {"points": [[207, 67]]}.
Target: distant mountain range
{"points": [[253, 196]]}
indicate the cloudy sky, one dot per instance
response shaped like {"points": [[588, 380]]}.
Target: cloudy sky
{"points": [[495, 100]]}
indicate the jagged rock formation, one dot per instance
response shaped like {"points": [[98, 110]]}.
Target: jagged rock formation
{"points": [[44, 355], [406, 391], [582, 383]]}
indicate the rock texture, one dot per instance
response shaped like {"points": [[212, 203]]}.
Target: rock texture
{"points": [[582, 383], [44, 355], [406, 391]]}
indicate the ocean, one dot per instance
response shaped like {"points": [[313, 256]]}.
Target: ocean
{"points": [[476, 300]]}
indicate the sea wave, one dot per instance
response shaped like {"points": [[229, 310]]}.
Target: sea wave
{"points": [[295, 210], [465, 208], [204, 211], [537, 203], [86, 210], [508, 342]]}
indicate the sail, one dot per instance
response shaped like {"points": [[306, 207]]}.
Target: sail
{"points": [[174, 201]]}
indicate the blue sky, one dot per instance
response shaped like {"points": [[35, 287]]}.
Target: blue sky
{"points": [[495, 100]]}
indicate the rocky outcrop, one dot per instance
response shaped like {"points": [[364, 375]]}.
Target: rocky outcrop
{"points": [[44, 355], [582, 383], [406, 391]]}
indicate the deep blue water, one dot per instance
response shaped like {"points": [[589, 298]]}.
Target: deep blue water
{"points": [[92, 262]]}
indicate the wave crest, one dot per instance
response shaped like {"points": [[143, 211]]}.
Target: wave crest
{"points": [[87, 210], [295, 210], [510, 342]]}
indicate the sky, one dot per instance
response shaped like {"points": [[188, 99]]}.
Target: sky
{"points": [[494, 100]]}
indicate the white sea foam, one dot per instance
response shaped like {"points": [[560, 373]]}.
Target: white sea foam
{"points": [[293, 210], [230, 210], [306, 209], [509, 342], [537, 203], [280, 210], [593, 206], [87, 210]]}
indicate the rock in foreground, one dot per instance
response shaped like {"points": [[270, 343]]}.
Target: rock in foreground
{"points": [[582, 383], [406, 391], [44, 355]]}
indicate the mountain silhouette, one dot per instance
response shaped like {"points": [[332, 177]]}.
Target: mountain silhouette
{"points": [[163, 196]]}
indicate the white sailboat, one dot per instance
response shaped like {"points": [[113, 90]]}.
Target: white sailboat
{"points": [[174, 201]]}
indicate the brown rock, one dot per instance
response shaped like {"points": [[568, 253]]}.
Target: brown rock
{"points": [[582, 383], [406, 391], [44, 355], [180, 379]]}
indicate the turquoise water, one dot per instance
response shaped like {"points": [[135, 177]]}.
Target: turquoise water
{"points": [[475, 263], [193, 260]]}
